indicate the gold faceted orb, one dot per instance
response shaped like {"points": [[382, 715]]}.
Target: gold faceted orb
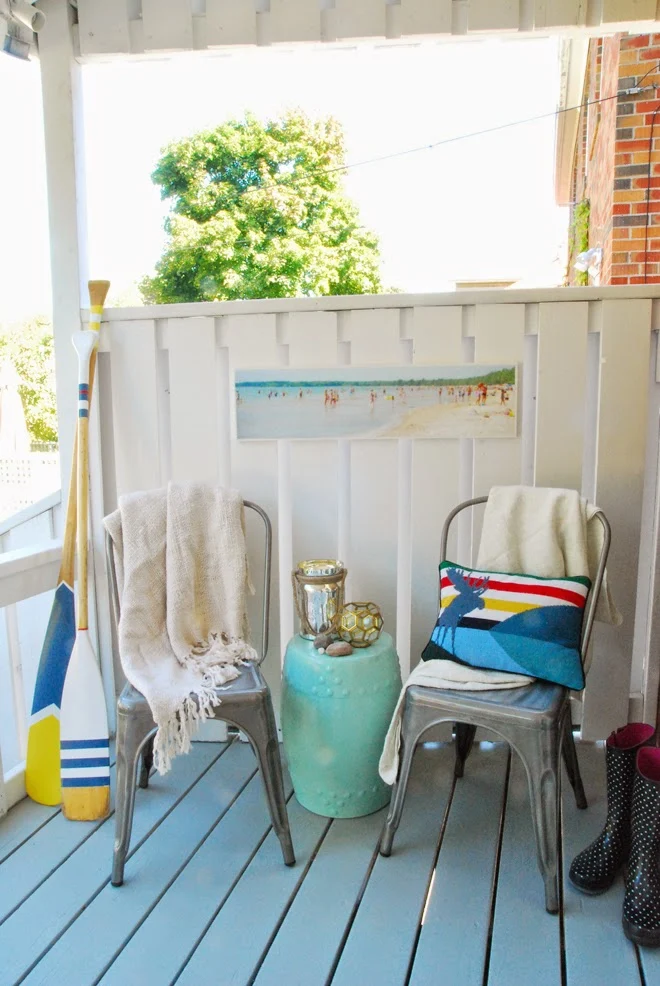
{"points": [[360, 624]]}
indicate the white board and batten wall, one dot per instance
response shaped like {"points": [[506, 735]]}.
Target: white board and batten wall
{"points": [[588, 419], [145, 26]]}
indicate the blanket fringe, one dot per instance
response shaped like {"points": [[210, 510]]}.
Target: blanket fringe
{"points": [[175, 734]]}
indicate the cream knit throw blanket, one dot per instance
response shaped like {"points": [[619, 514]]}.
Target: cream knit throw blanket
{"points": [[183, 575]]}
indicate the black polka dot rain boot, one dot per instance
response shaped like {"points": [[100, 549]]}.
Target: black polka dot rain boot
{"points": [[641, 904], [594, 869]]}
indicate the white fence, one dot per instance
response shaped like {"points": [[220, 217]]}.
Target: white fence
{"points": [[30, 556], [588, 372], [590, 407], [25, 480]]}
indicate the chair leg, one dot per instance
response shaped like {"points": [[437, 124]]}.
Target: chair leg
{"points": [[131, 732], [465, 734], [406, 754], [258, 723], [540, 752], [571, 761], [146, 763]]}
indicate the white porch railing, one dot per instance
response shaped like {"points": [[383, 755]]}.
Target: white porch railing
{"points": [[589, 420], [26, 480], [30, 556], [590, 412]]}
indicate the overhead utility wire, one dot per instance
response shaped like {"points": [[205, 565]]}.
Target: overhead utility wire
{"points": [[632, 91], [654, 68]]}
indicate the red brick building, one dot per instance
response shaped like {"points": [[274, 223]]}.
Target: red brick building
{"points": [[608, 155]]}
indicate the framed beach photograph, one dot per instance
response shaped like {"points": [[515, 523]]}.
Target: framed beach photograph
{"points": [[465, 401]]}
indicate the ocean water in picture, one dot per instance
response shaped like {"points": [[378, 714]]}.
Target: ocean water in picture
{"points": [[469, 401]]}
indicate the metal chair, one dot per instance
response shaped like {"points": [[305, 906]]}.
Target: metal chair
{"points": [[246, 703], [535, 720]]}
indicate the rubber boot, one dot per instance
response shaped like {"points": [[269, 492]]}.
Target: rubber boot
{"points": [[594, 869], [641, 904]]}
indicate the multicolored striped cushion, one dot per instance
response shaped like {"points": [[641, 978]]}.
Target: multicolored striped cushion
{"points": [[515, 623]]}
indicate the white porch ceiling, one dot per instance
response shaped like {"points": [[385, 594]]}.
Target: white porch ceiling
{"points": [[124, 27]]}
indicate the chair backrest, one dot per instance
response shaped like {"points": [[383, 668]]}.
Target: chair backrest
{"points": [[596, 585], [268, 549]]}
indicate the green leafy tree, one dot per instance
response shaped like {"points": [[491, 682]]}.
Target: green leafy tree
{"points": [[258, 210], [30, 348]]}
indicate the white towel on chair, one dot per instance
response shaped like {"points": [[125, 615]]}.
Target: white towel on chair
{"points": [[436, 674], [549, 533], [182, 573]]}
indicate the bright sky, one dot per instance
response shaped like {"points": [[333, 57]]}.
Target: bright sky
{"points": [[478, 208]]}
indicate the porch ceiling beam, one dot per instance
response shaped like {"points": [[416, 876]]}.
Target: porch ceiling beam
{"points": [[144, 26]]}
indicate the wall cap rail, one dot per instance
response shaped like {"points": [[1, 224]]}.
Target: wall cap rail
{"points": [[266, 306]]}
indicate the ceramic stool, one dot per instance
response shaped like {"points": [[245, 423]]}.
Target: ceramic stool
{"points": [[335, 714]]}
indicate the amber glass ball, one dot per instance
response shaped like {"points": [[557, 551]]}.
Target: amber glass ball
{"points": [[360, 624]]}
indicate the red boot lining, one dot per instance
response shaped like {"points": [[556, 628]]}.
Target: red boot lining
{"points": [[634, 734], [648, 763]]}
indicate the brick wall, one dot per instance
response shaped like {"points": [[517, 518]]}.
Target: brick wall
{"points": [[614, 151]]}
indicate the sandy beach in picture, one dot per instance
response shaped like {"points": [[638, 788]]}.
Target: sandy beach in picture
{"points": [[468, 401], [452, 421]]}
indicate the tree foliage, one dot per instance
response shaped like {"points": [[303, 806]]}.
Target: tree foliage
{"points": [[30, 348], [258, 210]]}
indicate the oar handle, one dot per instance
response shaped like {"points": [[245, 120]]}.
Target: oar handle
{"points": [[85, 344]]}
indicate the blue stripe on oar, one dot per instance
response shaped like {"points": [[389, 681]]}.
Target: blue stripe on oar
{"points": [[83, 413], [92, 744], [85, 762], [56, 651], [85, 782]]}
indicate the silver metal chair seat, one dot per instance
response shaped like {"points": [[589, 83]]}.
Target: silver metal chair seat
{"points": [[534, 720], [245, 702]]}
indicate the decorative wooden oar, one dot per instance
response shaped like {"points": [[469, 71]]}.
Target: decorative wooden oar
{"points": [[84, 737], [42, 768]]}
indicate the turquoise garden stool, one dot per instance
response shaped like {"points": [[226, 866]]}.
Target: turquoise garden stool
{"points": [[335, 714]]}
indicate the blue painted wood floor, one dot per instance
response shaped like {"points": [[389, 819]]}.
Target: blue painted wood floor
{"points": [[207, 899]]}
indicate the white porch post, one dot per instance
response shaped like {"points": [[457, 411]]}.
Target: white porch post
{"points": [[64, 143], [62, 106]]}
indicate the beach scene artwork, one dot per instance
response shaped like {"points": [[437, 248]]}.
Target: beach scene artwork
{"points": [[466, 401]]}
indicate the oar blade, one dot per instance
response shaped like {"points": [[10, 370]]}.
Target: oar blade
{"points": [[85, 755], [42, 767]]}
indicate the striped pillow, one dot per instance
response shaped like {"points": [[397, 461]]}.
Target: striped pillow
{"points": [[515, 623]]}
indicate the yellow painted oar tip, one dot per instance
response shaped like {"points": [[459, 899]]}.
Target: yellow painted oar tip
{"points": [[85, 804], [42, 772]]}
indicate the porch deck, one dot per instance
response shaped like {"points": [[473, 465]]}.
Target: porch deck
{"points": [[207, 898]]}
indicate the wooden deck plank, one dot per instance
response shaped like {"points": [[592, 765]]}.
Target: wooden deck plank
{"points": [[649, 958], [324, 902], [40, 856], [460, 902], [207, 897], [20, 824], [161, 945], [29, 932], [525, 943], [597, 951], [251, 915], [381, 938], [85, 950], [26, 819]]}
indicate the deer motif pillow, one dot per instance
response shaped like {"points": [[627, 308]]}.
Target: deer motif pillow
{"points": [[515, 623]]}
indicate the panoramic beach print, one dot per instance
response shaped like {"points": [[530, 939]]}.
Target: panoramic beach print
{"points": [[468, 401]]}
